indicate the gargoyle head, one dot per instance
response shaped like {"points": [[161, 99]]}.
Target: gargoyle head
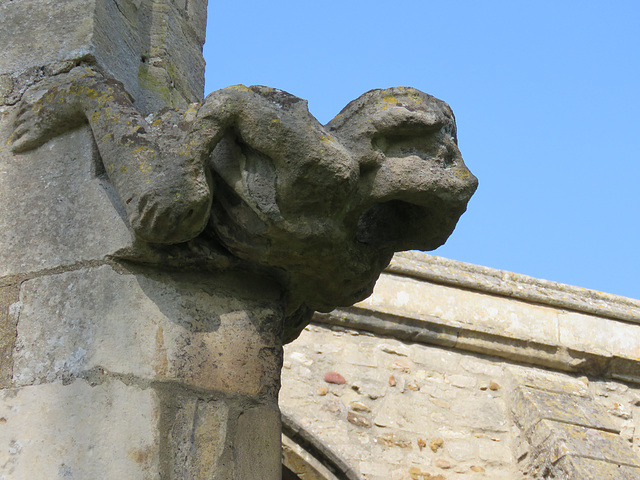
{"points": [[328, 206]]}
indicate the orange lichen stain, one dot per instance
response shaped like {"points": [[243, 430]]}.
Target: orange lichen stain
{"points": [[156, 122], [177, 197], [112, 117], [106, 137], [145, 167], [414, 96], [461, 173], [239, 88], [104, 99], [190, 114], [390, 99], [50, 95], [326, 139], [275, 122], [124, 169], [95, 116], [160, 361], [193, 108], [111, 168], [91, 93], [144, 155]]}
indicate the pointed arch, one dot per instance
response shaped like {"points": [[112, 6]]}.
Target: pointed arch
{"points": [[305, 456]]}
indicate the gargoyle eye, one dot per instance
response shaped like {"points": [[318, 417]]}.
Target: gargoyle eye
{"points": [[423, 145]]}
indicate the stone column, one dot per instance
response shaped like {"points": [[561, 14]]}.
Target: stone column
{"points": [[109, 370], [136, 373]]}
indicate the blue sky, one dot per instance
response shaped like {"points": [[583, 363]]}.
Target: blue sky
{"points": [[546, 96]]}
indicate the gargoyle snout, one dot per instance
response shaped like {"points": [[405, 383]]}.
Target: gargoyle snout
{"points": [[416, 202]]}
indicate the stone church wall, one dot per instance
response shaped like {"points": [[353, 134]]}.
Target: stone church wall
{"points": [[448, 374]]}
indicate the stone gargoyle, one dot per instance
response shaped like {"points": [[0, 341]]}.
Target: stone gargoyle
{"points": [[252, 174]]}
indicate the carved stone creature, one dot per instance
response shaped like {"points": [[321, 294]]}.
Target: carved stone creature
{"points": [[251, 175]]}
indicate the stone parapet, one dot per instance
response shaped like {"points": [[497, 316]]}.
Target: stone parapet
{"points": [[514, 285], [452, 304]]}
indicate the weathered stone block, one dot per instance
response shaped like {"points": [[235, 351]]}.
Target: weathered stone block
{"points": [[54, 208], [197, 438], [107, 431], [43, 31], [8, 323], [530, 406], [600, 335], [625, 369], [153, 47], [153, 325], [560, 439], [483, 414], [257, 444], [551, 382], [572, 468], [169, 68]]}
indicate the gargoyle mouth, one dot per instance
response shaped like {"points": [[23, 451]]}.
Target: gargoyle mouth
{"points": [[397, 225]]}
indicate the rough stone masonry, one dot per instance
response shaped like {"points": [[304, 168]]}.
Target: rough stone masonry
{"points": [[153, 265], [460, 372]]}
